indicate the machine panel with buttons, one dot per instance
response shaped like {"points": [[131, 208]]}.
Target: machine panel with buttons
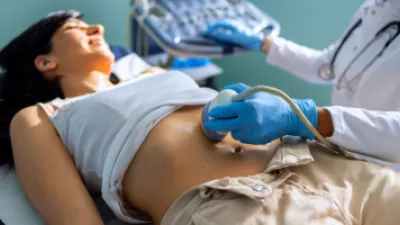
{"points": [[177, 25]]}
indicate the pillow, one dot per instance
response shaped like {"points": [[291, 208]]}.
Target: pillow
{"points": [[129, 66], [16, 209], [119, 51]]}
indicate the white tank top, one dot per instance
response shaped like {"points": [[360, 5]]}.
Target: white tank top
{"points": [[103, 131]]}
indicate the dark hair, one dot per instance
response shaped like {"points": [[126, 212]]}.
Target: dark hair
{"points": [[21, 84]]}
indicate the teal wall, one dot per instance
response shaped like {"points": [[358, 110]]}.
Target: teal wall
{"points": [[314, 23], [17, 15]]}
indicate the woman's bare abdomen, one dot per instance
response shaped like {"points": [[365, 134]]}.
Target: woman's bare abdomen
{"points": [[177, 156]]}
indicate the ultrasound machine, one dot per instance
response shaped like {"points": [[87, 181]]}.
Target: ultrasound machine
{"points": [[172, 30]]}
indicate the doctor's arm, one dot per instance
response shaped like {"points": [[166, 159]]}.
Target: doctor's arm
{"points": [[373, 134], [367, 132], [47, 172], [301, 61], [264, 117]]}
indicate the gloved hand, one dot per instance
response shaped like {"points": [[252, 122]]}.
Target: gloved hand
{"points": [[261, 118], [227, 31]]}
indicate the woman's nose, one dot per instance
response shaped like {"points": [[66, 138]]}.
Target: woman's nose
{"points": [[96, 30]]}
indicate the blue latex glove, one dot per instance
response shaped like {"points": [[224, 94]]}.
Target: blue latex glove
{"points": [[261, 118], [227, 31]]}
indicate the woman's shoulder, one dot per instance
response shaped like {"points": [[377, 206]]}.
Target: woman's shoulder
{"points": [[31, 117]]}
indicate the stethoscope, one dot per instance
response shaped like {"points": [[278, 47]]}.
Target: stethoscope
{"points": [[327, 71]]}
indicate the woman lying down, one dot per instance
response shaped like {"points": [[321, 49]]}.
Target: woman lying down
{"points": [[141, 145]]}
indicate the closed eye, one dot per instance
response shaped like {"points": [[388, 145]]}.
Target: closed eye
{"points": [[71, 27], [75, 27]]}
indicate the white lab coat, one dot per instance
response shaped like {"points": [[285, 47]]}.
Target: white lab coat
{"points": [[366, 114]]}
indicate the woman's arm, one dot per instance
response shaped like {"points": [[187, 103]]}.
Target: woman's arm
{"points": [[47, 172]]}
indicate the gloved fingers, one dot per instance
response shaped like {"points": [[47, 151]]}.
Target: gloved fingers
{"points": [[220, 30], [225, 111], [223, 37], [225, 24], [246, 136], [224, 125], [240, 134], [238, 87]]}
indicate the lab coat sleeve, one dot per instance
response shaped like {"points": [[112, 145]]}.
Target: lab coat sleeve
{"points": [[367, 132], [298, 60], [395, 3]]}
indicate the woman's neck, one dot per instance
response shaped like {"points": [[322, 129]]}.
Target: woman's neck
{"points": [[77, 85]]}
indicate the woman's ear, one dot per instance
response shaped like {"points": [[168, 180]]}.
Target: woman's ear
{"points": [[45, 63]]}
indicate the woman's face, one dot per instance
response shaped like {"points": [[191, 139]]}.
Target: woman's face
{"points": [[78, 47]]}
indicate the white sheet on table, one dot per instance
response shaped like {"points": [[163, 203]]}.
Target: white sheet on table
{"points": [[16, 209]]}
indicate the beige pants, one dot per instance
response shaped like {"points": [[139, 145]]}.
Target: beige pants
{"points": [[303, 185]]}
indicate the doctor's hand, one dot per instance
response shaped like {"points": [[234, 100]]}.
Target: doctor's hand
{"points": [[231, 32], [261, 118]]}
